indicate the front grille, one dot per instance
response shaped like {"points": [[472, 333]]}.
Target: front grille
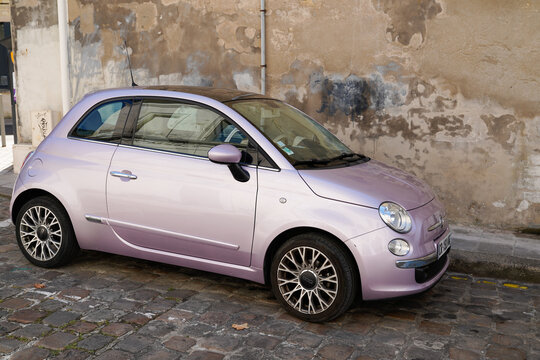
{"points": [[428, 272]]}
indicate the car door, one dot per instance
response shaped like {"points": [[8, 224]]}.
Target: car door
{"points": [[163, 193]]}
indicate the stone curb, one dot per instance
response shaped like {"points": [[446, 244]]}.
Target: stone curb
{"points": [[496, 254], [495, 266]]}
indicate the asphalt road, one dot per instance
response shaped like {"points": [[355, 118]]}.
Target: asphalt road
{"points": [[103, 306]]}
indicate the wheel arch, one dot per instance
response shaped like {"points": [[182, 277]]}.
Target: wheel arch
{"points": [[29, 194], [287, 234]]}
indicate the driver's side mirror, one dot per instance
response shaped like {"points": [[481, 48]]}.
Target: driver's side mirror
{"points": [[229, 155], [225, 154]]}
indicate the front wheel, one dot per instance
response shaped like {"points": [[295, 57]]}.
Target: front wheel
{"points": [[44, 233], [313, 277]]}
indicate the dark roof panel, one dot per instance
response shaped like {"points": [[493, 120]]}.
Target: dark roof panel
{"points": [[221, 95]]}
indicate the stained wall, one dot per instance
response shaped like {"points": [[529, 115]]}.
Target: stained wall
{"points": [[447, 90]]}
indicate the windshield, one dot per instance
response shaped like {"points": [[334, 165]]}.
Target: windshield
{"points": [[301, 139]]}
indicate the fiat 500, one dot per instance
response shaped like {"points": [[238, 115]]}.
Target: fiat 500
{"points": [[234, 183]]}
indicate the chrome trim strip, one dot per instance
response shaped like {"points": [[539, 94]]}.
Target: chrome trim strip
{"points": [[189, 156], [437, 224], [195, 239], [420, 262], [103, 142], [194, 259], [416, 263], [163, 152], [94, 219], [263, 168]]}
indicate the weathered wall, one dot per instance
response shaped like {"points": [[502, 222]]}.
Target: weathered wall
{"points": [[447, 90], [5, 14], [37, 67]]}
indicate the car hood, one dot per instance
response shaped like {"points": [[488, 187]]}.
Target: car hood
{"points": [[369, 184]]}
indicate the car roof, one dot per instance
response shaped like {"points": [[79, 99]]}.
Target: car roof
{"points": [[218, 94]]}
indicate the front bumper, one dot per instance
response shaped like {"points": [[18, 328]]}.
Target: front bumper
{"points": [[422, 261], [379, 272], [428, 272]]}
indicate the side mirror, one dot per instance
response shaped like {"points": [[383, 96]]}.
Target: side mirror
{"points": [[225, 154], [229, 155]]}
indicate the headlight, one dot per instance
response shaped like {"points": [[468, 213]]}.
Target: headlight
{"points": [[399, 247], [395, 217]]}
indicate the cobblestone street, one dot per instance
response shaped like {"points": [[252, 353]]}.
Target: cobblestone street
{"points": [[103, 306]]}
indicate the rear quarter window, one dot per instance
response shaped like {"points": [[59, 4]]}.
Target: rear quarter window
{"points": [[104, 123]]}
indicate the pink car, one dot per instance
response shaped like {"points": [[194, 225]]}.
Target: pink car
{"points": [[234, 183]]}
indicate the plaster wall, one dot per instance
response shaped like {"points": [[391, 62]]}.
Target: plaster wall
{"points": [[447, 90]]}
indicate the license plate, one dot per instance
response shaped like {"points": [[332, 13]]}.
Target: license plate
{"points": [[443, 246]]}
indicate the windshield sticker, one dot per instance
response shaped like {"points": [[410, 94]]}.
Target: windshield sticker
{"points": [[288, 151], [285, 148]]}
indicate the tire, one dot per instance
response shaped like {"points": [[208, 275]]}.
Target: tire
{"points": [[44, 233], [308, 290]]}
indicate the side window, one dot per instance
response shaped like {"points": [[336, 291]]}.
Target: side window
{"points": [[104, 123], [184, 128]]}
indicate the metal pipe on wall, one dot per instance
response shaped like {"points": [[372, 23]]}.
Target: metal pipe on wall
{"points": [[263, 47], [64, 63]]}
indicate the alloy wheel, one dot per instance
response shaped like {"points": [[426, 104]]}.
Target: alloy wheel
{"points": [[40, 233], [307, 280]]}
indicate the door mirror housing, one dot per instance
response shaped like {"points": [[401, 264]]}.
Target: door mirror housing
{"points": [[229, 155], [225, 154]]}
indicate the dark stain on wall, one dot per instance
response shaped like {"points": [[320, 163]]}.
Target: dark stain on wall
{"points": [[419, 89], [443, 104], [354, 95], [503, 129], [351, 97], [408, 17], [338, 101], [453, 126], [393, 126]]}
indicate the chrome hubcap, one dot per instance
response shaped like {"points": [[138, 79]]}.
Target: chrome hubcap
{"points": [[41, 234], [307, 280]]}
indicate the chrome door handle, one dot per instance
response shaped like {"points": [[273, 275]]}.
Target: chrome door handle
{"points": [[123, 175]]}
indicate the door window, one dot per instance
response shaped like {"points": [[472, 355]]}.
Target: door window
{"points": [[184, 128], [104, 123]]}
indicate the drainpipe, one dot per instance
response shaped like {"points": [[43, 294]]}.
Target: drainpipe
{"points": [[263, 47], [64, 65]]}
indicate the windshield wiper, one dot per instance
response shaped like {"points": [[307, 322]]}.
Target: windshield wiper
{"points": [[343, 156], [312, 162], [348, 155]]}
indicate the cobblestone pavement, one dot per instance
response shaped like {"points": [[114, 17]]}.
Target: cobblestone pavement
{"points": [[103, 306]]}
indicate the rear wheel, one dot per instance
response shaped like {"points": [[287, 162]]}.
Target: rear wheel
{"points": [[313, 277], [44, 233]]}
